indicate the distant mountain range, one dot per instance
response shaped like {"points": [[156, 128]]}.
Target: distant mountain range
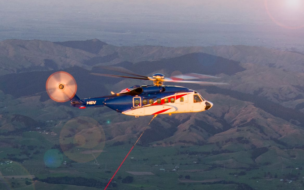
{"points": [[263, 105]]}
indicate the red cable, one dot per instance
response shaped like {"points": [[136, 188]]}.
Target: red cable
{"points": [[123, 160]]}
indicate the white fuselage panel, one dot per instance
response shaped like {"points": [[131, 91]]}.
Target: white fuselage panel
{"points": [[184, 103]]}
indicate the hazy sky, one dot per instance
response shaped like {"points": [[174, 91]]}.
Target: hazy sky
{"points": [[135, 10], [71, 19], [132, 10]]}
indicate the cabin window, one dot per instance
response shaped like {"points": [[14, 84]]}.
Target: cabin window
{"points": [[151, 101], [166, 100], [136, 102], [145, 102], [172, 100], [159, 101], [196, 99], [181, 99]]}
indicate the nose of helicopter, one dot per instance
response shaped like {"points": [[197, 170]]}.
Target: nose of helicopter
{"points": [[208, 105]]}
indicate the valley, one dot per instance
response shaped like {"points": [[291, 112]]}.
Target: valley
{"points": [[250, 139]]}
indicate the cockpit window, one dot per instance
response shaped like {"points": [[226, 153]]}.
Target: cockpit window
{"points": [[202, 97], [196, 98]]}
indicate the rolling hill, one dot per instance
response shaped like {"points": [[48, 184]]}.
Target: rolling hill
{"points": [[257, 120]]}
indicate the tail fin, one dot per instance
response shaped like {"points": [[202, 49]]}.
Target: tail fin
{"points": [[76, 102], [75, 98]]}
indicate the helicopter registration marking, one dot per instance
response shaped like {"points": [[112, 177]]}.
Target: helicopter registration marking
{"points": [[91, 102]]}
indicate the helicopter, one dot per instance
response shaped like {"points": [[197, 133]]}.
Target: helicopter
{"points": [[137, 100]]}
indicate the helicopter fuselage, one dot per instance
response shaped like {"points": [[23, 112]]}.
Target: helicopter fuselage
{"points": [[149, 100]]}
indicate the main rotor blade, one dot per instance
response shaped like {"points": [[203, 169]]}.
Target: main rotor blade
{"points": [[192, 76], [195, 82], [120, 76], [121, 70]]}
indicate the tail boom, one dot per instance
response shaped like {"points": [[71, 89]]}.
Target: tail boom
{"points": [[87, 102]]}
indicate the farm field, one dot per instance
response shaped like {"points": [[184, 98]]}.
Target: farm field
{"points": [[151, 167]]}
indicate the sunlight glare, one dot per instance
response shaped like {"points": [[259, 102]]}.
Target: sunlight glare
{"points": [[294, 3], [286, 13]]}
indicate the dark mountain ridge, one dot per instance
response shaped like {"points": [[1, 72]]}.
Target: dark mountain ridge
{"points": [[91, 46], [195, 62]]}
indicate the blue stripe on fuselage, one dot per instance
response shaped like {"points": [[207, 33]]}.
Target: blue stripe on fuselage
{"points": [[124, 102]]}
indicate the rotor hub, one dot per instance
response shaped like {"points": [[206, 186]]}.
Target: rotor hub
{"points": [[158, 76], [158, 79], [158, 83]]}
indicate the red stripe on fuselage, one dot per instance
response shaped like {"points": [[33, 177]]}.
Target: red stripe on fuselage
{"points": [[179, 96], [163, 99], [162, 111]]}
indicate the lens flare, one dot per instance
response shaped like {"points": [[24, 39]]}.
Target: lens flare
{"points": [[4, 183], [14, 176], [288, 14], [80, 138], [294, 4], [53, 158], [175, 73]]}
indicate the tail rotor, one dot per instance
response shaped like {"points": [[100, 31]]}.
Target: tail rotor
{"points": [[61, 86]]}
